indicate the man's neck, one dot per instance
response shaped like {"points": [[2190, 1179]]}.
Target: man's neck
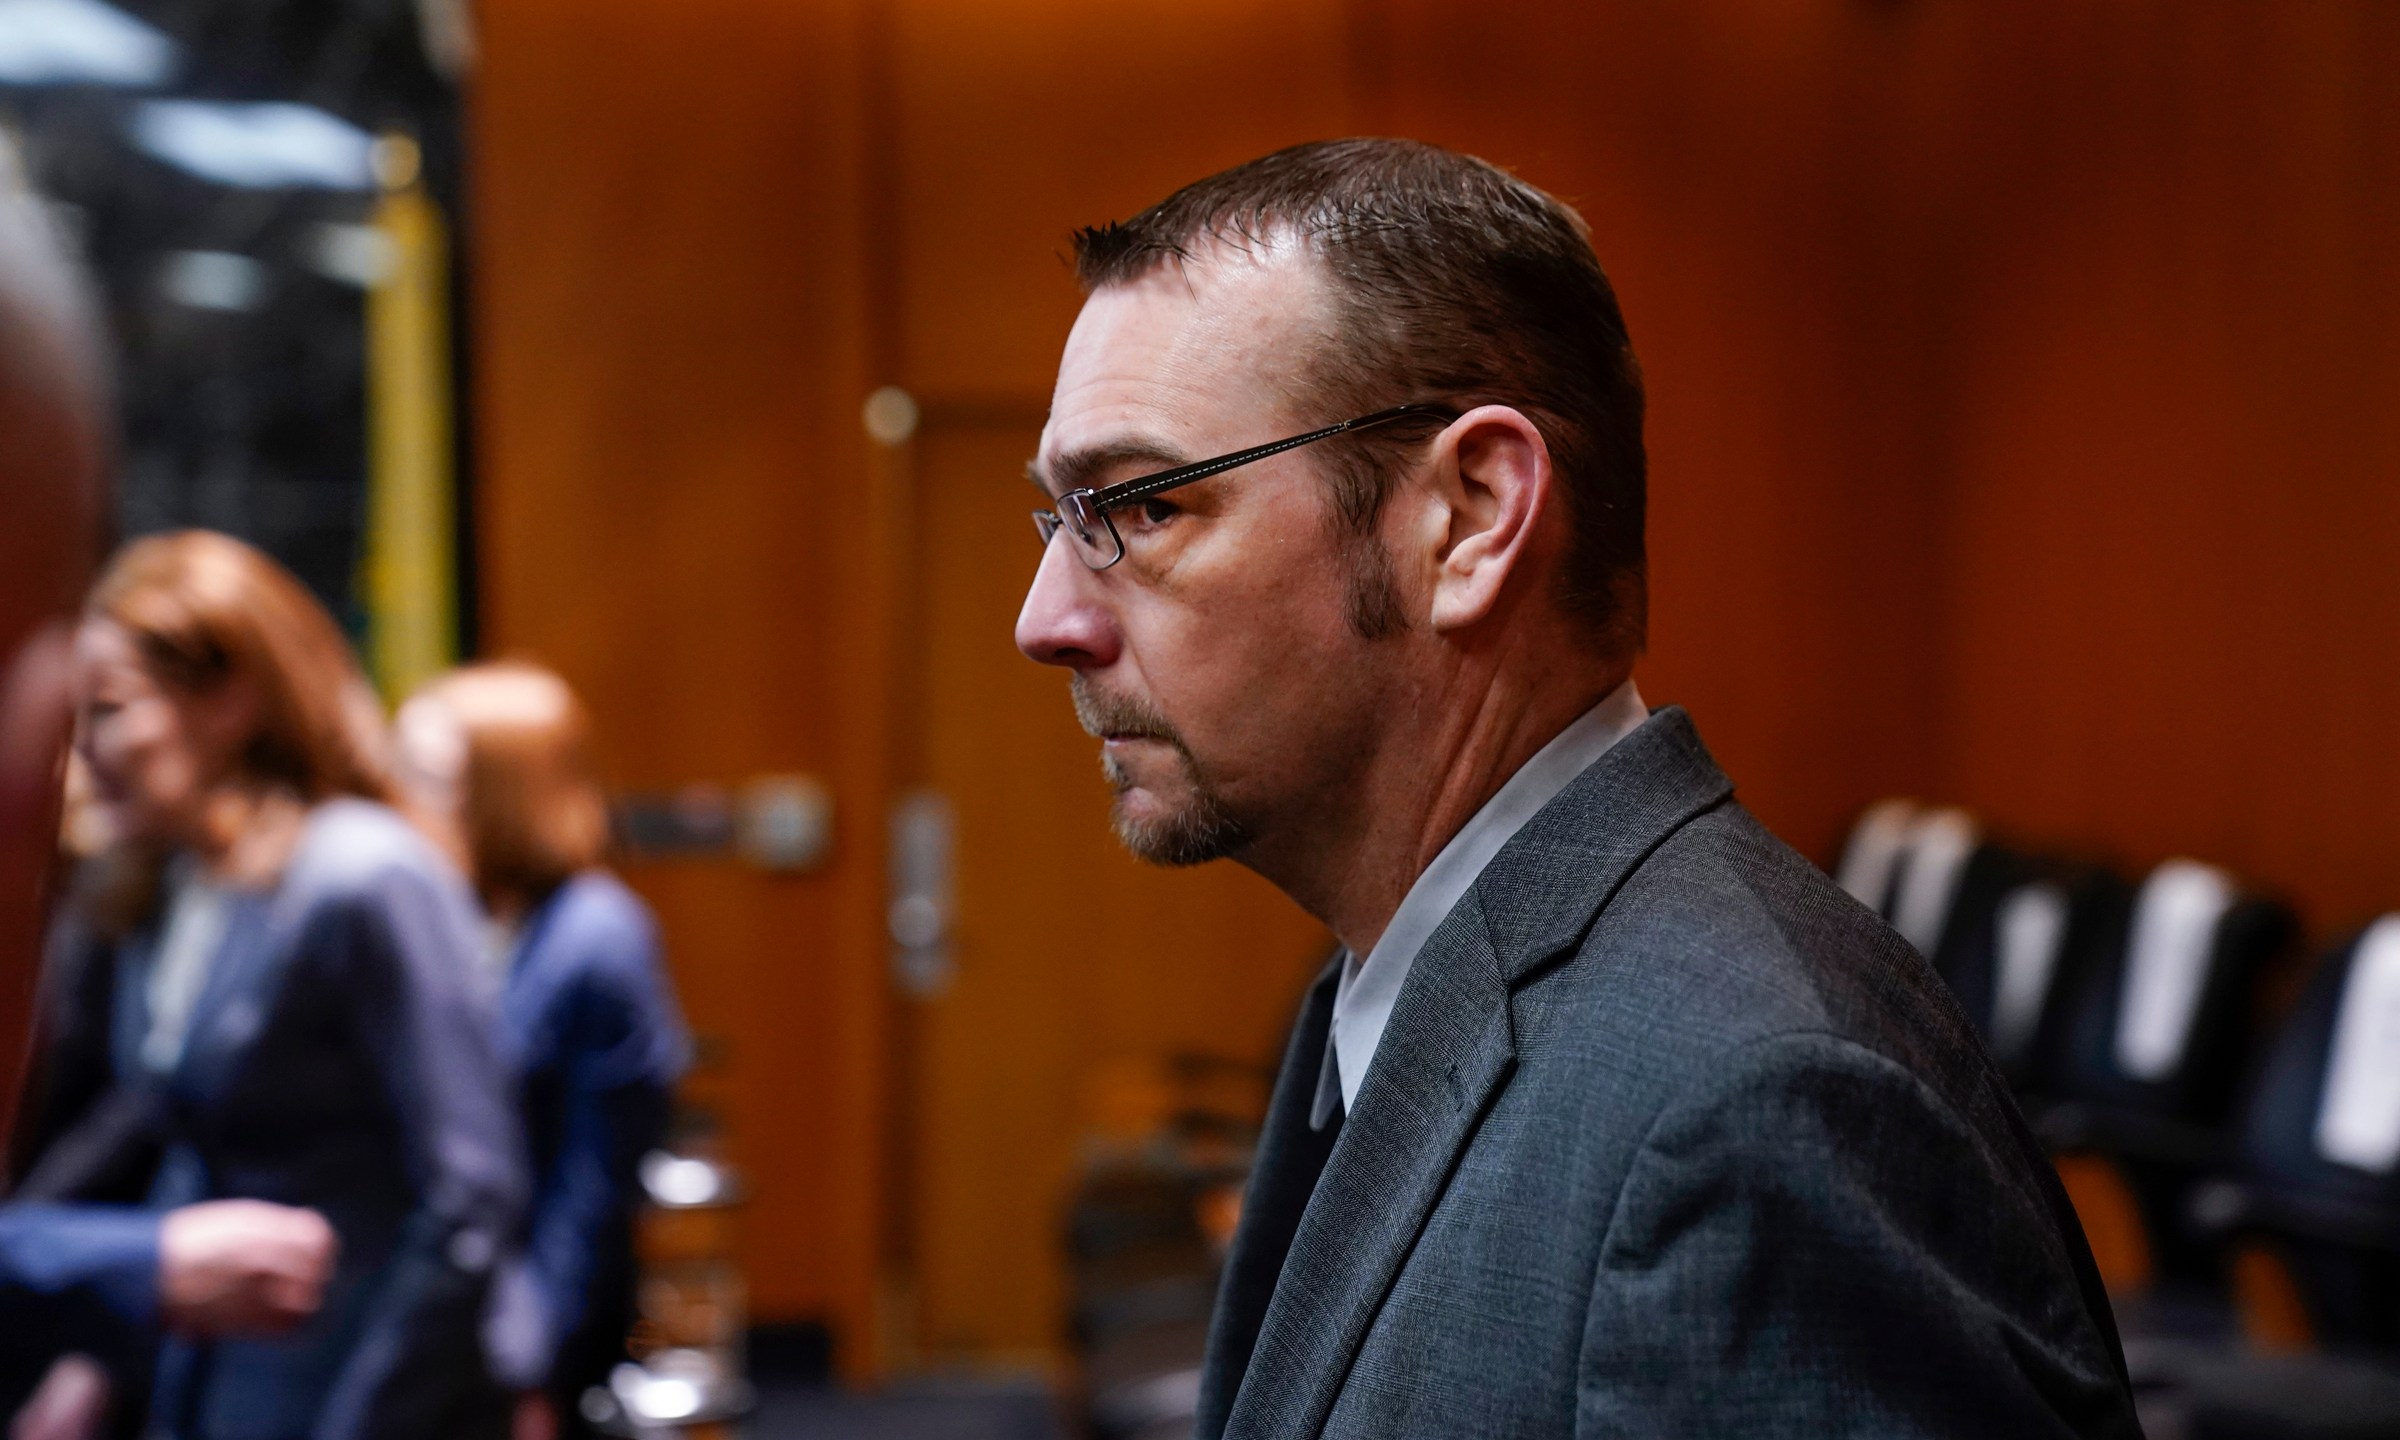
{"points": [[1428, 777]]}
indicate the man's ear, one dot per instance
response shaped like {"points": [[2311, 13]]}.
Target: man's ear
{"points": [[1493, 479]]}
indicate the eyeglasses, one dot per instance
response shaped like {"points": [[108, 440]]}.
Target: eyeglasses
{"points": [[1083, 514]]}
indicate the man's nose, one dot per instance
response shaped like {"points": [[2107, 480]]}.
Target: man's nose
{"points": [[1063, 622]]}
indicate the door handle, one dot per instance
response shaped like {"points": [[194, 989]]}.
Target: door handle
{"points": [[924, 836]]}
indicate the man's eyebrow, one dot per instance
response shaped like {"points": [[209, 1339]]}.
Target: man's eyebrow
{"points": [[1083, 469]]}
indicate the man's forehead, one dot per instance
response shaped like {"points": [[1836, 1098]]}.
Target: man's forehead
{"points": [[1188, 349]]}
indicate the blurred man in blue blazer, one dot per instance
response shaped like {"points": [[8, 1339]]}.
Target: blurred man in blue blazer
{"points": [[497, 757], [1614, 1116]]}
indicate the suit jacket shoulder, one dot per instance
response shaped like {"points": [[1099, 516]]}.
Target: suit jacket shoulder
{"points": [[1725, 938], [1668, 1135]]}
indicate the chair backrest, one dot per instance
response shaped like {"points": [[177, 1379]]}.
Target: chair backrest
{"points": [[2160, 1025], [2320, 1142], [2004, 929], [2025, 930], [1911, 864], [1872, 856], [1931, 876], [2321, 1130]]}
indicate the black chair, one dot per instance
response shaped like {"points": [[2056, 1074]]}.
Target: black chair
{"points": [[2255, 1396], [2318, 1167], [2316, 1175], [2007, 931], [1144, 1243], [1877, 847], [2023, 935], [2153, 1040], [1928, 871]]}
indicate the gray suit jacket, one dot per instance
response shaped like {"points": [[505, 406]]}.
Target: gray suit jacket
{"points": [[1666, 1137]]}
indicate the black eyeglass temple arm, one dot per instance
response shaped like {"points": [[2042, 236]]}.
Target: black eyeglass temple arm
{"points": [[1146, 486]]}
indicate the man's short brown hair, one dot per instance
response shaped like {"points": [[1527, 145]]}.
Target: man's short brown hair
{"points": [[1454, 281]]}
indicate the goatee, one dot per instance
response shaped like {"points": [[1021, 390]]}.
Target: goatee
{"points": [[1198, 831]]}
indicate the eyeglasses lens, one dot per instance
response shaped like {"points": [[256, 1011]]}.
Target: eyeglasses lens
{"points": [[1095, 539]]}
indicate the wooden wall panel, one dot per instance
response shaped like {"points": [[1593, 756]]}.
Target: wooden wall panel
{"points": [[1014, 124], [1738, 166], [2175, 472], [671, 353]]}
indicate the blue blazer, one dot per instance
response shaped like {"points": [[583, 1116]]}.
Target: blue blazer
{"points": [[339, 1056], [588, 1024], [74, 1277], [65, 1253]]}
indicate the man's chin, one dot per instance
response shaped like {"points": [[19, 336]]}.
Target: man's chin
{"points": [[1175, 836]]}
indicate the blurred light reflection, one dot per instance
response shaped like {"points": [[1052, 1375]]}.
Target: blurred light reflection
{"points": [[274, 145], [80, 42]]}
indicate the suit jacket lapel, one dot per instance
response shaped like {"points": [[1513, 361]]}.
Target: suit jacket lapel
{"points": [[1291, 1155], [1447, 1051], [1543, 889]]}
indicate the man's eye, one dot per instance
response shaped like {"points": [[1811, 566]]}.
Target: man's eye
{"points": [[1155, 511]]}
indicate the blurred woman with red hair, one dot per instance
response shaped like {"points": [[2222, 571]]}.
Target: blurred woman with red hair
{"points": [[293, 984], [495, 757]]}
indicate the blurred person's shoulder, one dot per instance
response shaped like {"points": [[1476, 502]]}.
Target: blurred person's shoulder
{"points": [[354, 849], [597, 922], [594, 966]]}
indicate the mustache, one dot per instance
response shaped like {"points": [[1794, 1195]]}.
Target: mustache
{"points": [[1104, 716]]}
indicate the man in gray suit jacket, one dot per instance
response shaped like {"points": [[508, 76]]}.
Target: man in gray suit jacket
{"points": [[1614, 1117]]}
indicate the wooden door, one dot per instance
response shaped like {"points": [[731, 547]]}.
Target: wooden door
{"points": [[1071, 969]]}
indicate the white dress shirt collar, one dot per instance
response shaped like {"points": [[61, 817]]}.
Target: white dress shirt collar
{"points": [[1362, 1003]]}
